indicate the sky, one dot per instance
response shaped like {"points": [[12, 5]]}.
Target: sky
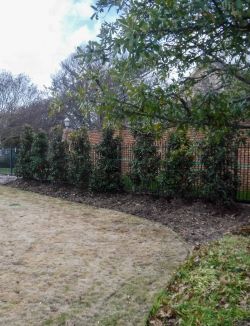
{"points": [[36, 35]]}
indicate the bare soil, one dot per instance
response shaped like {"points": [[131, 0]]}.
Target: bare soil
{"points": [[64, 263], [195, 221]]}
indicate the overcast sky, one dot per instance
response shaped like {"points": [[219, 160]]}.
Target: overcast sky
{"points": [[36, 35]]}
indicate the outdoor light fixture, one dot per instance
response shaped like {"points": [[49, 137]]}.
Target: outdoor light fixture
{"points": [[66, 122]]}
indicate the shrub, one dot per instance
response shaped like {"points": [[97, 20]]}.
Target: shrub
{"points": [[146, 162], [57, 156], [176, 176], [107, 173], [79, 167], [39, 163], [219, 158], [23, 165]]}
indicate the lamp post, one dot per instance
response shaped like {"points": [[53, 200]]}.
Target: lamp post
{"points": [[66, 123], [66, 130]]}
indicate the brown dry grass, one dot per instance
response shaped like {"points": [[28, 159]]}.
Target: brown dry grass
{"points": [[64, 263]]}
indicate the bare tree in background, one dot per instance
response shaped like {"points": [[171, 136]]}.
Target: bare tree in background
{"points": [[36, 115], [16, 91], [21, 103], [77, 93]]}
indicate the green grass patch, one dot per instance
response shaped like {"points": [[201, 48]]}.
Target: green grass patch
{"points": [[211, 288], [4, 170], [59, 321]]}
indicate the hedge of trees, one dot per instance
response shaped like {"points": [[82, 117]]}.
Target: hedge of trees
{"points": [[49, 158], [172, 174]]}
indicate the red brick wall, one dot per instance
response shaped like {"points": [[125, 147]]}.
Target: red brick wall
{"points": [[95, 136], [244, 164]]}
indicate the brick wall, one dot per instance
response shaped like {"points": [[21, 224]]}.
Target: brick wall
{"points": [[95, 136], [244, 165]]}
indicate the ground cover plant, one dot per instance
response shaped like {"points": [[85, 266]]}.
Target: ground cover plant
{"points": [[211, 288]]}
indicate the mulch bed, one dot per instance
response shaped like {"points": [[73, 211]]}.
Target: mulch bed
{"points": [[196, 222]]}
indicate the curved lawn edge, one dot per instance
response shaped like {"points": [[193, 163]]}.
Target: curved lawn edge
{"points": [[72, 263], [210, 288], [195, 222], [187, 245]]}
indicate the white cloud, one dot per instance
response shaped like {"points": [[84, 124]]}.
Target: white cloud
{"points": [[35, 34], [82, 9]]}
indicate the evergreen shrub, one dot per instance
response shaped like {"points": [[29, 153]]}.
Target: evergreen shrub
{"points": [[57, 155], [39, 151], [23, 165], [107, 172], [176, 176], [218, 155], [146, 162], [79, 164]]}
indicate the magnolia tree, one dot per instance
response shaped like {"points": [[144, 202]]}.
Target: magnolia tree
{"points": [[160, 50]]}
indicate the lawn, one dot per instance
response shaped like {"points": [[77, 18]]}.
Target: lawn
{"points": [[63, 263], [211, 288], [5, 170]]}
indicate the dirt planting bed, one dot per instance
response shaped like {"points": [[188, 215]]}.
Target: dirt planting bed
{"points": [[64, 263], [196, 222]]}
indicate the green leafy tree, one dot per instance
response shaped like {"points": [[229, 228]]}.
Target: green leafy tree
{"points": [[57, 155], [39, 150], [23, 166], [177, 45], [146, 162], [79, 159], [107, 173]]}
